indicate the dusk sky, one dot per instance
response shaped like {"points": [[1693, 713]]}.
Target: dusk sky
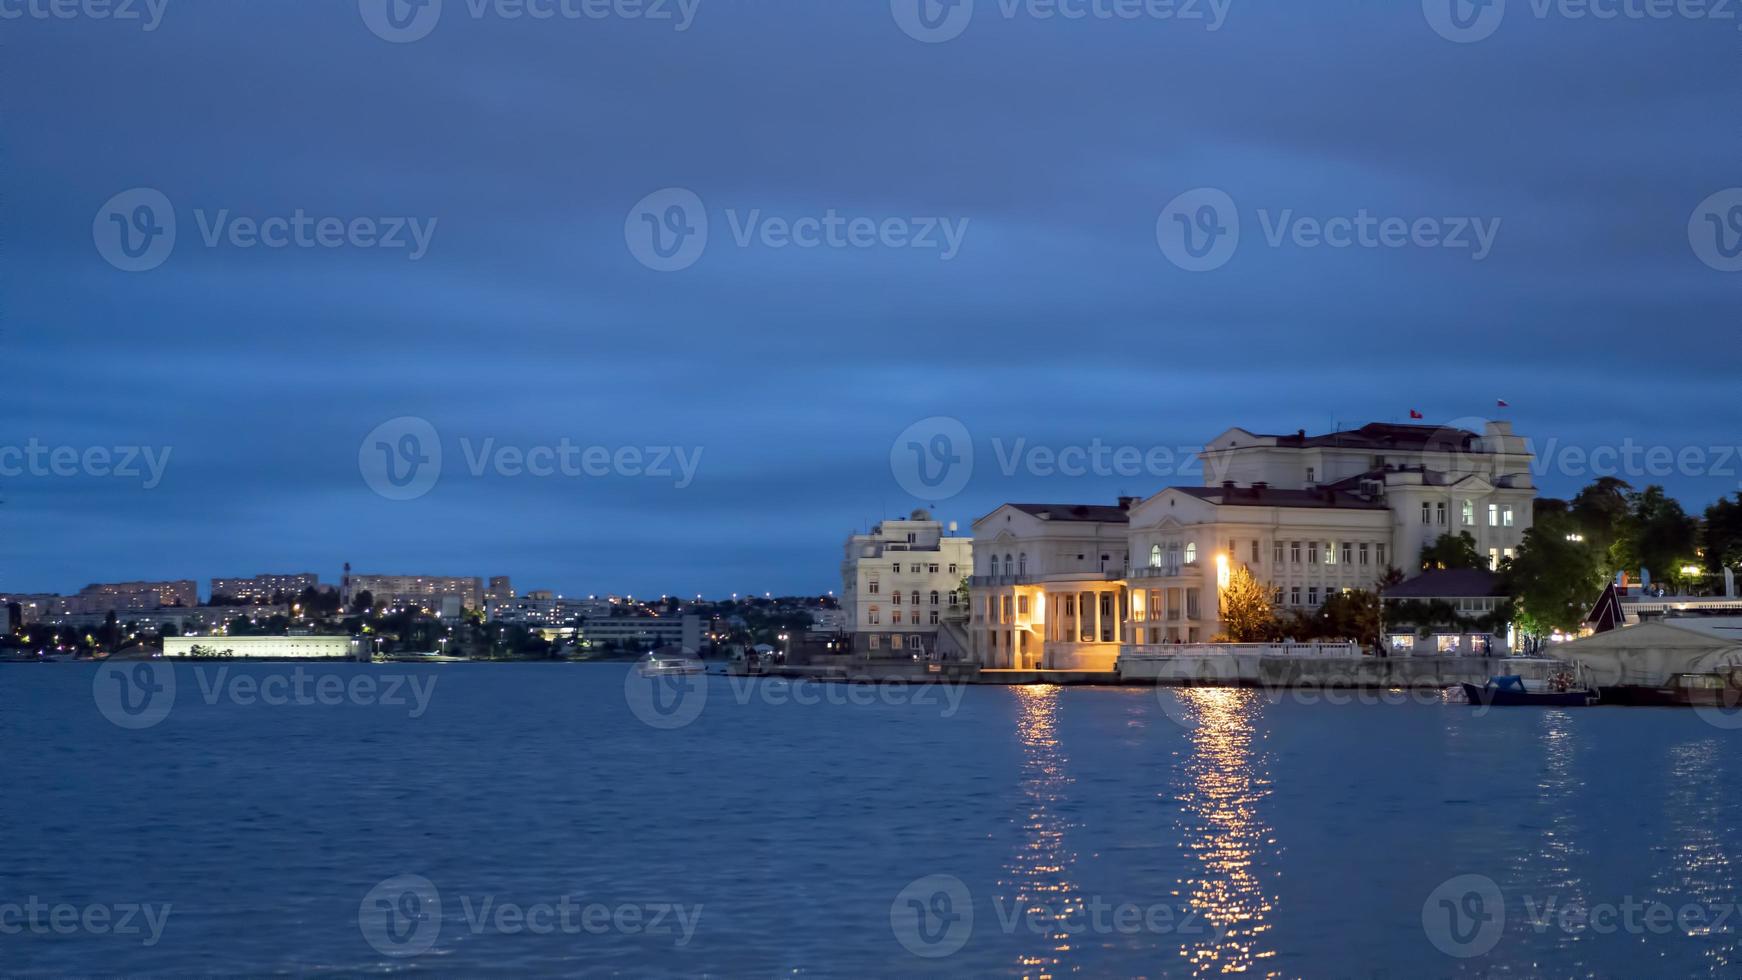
{"points": [[1021, 182]]}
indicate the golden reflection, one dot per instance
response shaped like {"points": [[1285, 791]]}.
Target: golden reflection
{"points": [[1223, 781], [1038, 874]]}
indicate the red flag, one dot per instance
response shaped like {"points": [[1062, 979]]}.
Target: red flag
{"points": [[1416, 415], [1503, 403]]}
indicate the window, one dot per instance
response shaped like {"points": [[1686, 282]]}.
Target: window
{"points": [[897, 568], [1349, 553], [1403, 641], [1021, 605], [934, 617], [915, 568], [1312, 475], [1493, 559], [1276, 597], [1364, 551], [934, 597], [1506, 516], [932, 568], [895, 617], [1379, 549], [1009, 566], [1426, 513], [952, 568], [1276, 553], [1493, 515], [1312, 595], [1312, 552], [1155, 556], [913, 643], [1294, 595], [1294, 552], [1255, 559], [1006, 617], [952, 602], [876, 641], [1440, 513], [872, 616], [1191, 552], [1022, 564], [916, 597], [873, 587], [895, 598], [912, 538], [1469, 513]]}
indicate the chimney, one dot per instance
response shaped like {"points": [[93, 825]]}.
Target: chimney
{"points": [[1227, 484]]}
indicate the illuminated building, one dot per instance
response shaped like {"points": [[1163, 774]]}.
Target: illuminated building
{"points": [[900, 584]]}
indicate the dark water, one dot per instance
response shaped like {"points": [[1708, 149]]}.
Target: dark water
{"points": [[1262, 836]]}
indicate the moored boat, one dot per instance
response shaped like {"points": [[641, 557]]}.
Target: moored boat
{"points": [[662, 663], [1513, 691]]}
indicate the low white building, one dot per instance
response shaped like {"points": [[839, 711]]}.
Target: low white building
{"points": [[262, 647], [642, 632], [901, 582]]}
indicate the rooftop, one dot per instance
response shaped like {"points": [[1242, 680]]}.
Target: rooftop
{"points": [[1380, 436], [1103, 513], [1451, 583], [1255, 496]]}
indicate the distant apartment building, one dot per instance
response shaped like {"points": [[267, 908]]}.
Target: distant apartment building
{"points": [[415, 591], [642, 632], [35, 607], [123, 596], [500, 588], [1060, 586], [539, 608], [900, 582], [264, 588]]}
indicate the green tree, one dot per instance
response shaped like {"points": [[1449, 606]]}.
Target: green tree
{"points": [[1555, 577], [1247, 615], [1724, 534], [1660, 536], [1452, 551], [1601, 514], [1352, 615]]}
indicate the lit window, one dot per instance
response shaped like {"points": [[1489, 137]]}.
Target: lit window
{"points": [[1469, 513], [1493, 515], [1506, 516], [1364, 550], [1155, 556], [1349, 553], [1191, 552]]}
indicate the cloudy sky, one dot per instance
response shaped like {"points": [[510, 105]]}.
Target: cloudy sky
{"points": [[770, 245]]}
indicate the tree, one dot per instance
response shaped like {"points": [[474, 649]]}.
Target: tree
{"points": [[1352, 615], [1555, 580], [1660, 536], [1247, 615], [1600, 515], [1452, 551], [362, 601], [1723, 535]]}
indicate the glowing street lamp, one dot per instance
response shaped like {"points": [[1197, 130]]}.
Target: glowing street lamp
{"points": [[1221, 570]]}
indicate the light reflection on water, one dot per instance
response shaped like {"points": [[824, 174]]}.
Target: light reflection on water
{"points": [[1223, 781], [1697, 868], [1562, 850], [1037, 876]]}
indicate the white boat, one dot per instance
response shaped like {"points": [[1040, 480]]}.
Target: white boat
{"points": [[661, 664]]}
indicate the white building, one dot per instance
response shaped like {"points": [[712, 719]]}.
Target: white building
{"points": [[642, 632], [901, 582], [540, 608], [1066, 587], [262, 647]]}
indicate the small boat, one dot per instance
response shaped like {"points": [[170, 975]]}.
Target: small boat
{"points": [[1511, 690], [665, 664]]}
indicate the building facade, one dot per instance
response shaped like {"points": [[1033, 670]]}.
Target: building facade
{"points": [[121, 596], [642, 632], [901, 583], [1068, 587], [263, 588], [262, 647], [416, 591]]}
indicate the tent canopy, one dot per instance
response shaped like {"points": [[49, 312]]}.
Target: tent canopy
{"points": [[1650, 654]]}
